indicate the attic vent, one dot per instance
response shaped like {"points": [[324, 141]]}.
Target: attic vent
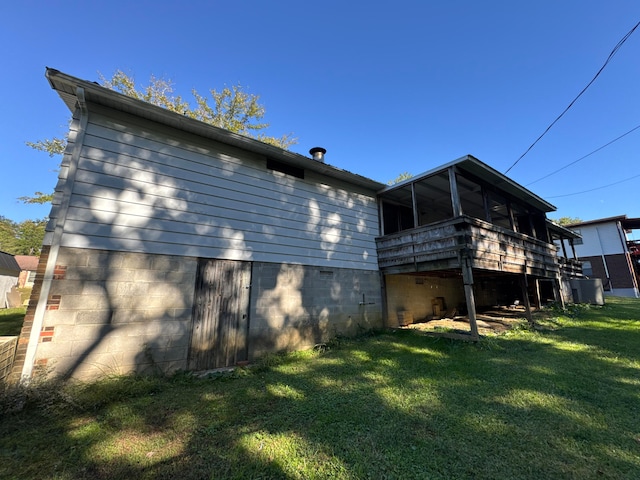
{"points": [[284, 168], [318, 153]]}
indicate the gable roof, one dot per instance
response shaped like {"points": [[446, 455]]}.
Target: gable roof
{"points": [[69, 88], [27, 262]]}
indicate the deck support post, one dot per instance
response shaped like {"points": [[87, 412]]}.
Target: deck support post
{"points": [[467, 278], [557, 290], [538, 298], [525, 297]]}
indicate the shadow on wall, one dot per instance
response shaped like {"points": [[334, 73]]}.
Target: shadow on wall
{"points": [[119, 313], [295, 306], [139, 192]]}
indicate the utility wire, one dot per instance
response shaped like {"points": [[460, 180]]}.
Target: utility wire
{"points": [[587, 155], [613, 52], [597, 188]]}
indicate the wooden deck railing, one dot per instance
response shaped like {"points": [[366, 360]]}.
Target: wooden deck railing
{"points": [[442, 245]]}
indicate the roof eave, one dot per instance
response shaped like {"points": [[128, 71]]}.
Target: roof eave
{"points": [[67, 85], [480, 169]]}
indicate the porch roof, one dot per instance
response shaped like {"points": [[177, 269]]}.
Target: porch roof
{"points": [[480, 170]]}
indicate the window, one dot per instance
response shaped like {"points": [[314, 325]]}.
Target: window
{"points": [[587, 269], [577, 241]]}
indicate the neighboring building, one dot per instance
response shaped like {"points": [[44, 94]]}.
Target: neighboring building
{"points": [[9, 272], [28, 266], [173, 244], [606, 253]]}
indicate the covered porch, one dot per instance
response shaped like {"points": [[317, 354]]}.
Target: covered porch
{"points": [[471, 230]]}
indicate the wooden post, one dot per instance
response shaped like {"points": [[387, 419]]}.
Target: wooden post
{"points": [[557, 290], [525, 298], [538, 299], [512, 220], [573, 248], [564, 248], [467, 278], [487, 205], [414, 203], [455, 197]]}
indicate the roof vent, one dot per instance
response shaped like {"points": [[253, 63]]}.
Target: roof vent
{"points": [[318, 153]]}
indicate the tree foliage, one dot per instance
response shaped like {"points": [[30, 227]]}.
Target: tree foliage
{"points": [[400, 178], [23, 238], [567, 220], [230, 108]]}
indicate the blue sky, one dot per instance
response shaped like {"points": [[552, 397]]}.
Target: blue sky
{"points": [[385, 87]]}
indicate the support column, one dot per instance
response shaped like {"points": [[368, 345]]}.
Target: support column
{"points": [[467, 278], [557, 290], [525, 297], [414, 203], [538, 299], [455, 197]]}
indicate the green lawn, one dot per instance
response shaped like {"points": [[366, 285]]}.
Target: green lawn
{"points": [[11, 321], [562, 402]]}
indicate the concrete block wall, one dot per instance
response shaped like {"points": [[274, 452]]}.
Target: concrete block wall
{"points": [[295, 306], [414, 295], [115, 312]]}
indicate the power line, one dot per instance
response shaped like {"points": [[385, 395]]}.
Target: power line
{"points": [[587, 155], [597, 188], [613, 52]]}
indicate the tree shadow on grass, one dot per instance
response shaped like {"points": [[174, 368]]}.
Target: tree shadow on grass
{"points": [[395, 405]]}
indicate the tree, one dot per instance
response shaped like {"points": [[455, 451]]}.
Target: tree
{"points": [[566, 220], [7, 235], [231, 108], [24, 238], [30, 235], [400, 178]]}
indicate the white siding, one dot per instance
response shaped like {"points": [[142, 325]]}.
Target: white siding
{"points": [[600, 239], [141, 188]]}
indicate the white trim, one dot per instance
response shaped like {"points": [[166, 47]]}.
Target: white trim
{"points": [[41, 307]]}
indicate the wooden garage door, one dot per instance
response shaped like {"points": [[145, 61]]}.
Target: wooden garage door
{"points": [[220, 315]]}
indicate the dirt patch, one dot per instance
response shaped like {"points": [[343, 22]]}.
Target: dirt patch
{"points": [[490, 322]]}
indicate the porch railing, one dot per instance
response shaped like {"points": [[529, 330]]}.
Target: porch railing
{"points": [[443, 245]]}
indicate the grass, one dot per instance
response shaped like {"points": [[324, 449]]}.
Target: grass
{"points": [[559, 402], [11, 321]]}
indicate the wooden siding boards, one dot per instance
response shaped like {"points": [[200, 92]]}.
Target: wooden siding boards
{"points": [[136, 190]]}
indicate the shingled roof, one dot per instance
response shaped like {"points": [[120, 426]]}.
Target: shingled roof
{"points": [[8, 265], [27, 262]]}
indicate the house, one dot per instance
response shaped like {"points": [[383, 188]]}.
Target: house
{"points": [[28, 265], [9, 272], [173, 244], [608, 254]]}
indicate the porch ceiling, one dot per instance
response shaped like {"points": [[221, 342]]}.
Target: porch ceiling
{"points": [[478, 169]]}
